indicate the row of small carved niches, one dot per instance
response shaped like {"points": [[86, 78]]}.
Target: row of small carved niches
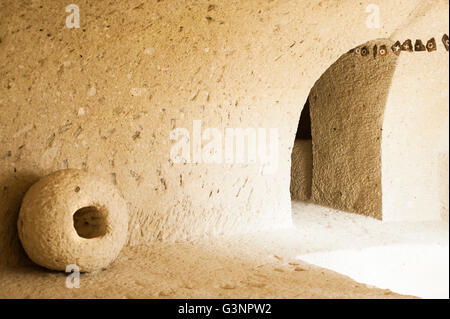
{"points": [[398, 47]]}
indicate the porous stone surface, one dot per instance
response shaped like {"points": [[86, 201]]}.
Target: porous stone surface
{"points": [[46, 221], [347, 107], [301, 172], [258, 265], [380, 127], [415, 139], [105, 97]]}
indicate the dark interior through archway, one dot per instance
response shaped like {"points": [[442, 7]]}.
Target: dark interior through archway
{"points": [[301, 158], [304, 125]]}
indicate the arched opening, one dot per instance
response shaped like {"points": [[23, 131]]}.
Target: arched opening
{"points": [[336, 158], [357, 147], [379, 148]]}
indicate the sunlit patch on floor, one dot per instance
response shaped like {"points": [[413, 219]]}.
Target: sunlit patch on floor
{"points": [[410, 258], [418, 270]]}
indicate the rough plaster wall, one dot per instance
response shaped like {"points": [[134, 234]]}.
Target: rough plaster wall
{"points": [[347, 106], [415, 130], [105, 97], [301, 170], [444, 185]]}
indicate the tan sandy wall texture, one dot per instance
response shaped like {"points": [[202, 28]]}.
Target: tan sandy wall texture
{"points": [[301, 170], [105, 97], [380, 128], [347, 107], [415, 130]]}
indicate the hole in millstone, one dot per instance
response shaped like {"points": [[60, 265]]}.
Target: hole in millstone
{"points": [[89, 222]]}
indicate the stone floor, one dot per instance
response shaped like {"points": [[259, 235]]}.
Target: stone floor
{"points": [[259, 265]]}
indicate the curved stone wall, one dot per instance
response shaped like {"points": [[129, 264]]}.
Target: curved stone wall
{"points": [[380, 125], [301, 170], [347, 107], [415, 129], [106, 96]]}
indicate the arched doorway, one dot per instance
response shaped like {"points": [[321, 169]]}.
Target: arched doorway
{"points": [[336, 159], [357, 146]]}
